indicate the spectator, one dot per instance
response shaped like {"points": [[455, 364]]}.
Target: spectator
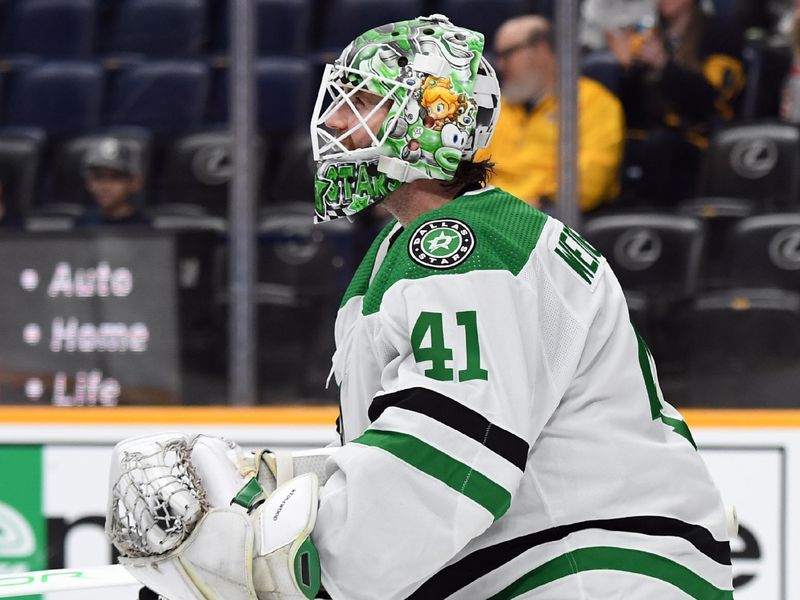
{"points": [[678, 81], [113, 175], [525, 143], [781, 16], [790, 102], [599, 16]]}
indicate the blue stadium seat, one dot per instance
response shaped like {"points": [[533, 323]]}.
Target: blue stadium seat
{"points": [[52, 28], [61, 97], [603, 68], [158, 28], [477, 15], [282, 27], [725, 10], [344, 20], [165, 96], [284, 95], [20, 157], [545, 8]]}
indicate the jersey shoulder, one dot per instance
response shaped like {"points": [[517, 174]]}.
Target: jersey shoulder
{"points": [[479, 231]]}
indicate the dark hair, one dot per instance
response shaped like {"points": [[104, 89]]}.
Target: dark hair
{"points": [[471, 175], [686, 54]]}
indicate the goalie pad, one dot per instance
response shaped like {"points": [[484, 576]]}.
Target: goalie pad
{"points": [[198, 519]]}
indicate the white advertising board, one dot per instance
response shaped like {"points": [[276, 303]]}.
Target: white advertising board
{"points": [[750, 467]]}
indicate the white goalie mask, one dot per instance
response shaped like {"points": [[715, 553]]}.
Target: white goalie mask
{"points": [[437, 103]]}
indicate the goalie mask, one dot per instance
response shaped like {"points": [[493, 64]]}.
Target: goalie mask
{"points": [[441, 99]]}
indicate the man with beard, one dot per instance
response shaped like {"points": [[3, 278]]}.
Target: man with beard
{"points": [[502, 434], [525, 143]]}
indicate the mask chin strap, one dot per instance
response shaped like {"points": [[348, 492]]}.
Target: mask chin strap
{"points": [[400, 170]]}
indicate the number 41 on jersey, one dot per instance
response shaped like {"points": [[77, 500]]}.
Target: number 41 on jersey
{"points": [[438, 353]]}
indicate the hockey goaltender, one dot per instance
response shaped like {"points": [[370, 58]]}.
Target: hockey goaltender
{"points": [[502, 430]]}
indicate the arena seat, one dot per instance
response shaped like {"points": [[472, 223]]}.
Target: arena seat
{"points": [[157, 28], [198, 169], [20, 158], [603, 68], [60, 97], [284, 95], [302, 271], [282, 27], [760, 161], [657, 259], [52, 28], [652, 253], [167, 97], [473, 14], [293, 180], [190, 223], [66, 183], [763, 251], [741, 348], [344, 20], [766, 66], [719, 215], [725, 10], [546, 8], [742, 341]]}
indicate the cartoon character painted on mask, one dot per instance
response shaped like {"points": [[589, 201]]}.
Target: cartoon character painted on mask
{"points": [[439, 100]]}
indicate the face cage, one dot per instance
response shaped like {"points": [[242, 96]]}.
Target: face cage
{"points": [[328, 146]]}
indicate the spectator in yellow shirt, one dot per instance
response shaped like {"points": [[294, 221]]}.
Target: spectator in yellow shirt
{"points": [[525, 143]]}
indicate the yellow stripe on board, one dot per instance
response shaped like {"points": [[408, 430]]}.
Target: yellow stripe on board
{"points": [[315, 415], [194, 415], [741, 418]]}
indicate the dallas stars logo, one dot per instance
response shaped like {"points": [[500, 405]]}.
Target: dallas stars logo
{"points": [[441, 244]]}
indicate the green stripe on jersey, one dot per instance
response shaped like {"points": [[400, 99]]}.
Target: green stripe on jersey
{"points": [[455, 474], [615, 559], [678, 426], [506, 232], [360, 281]]}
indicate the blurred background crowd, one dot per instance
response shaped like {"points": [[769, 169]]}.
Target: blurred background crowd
{"points": [[114, 117]]}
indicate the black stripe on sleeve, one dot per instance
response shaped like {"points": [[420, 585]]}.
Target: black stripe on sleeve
{"points": [[457, 416], [481, 562]]}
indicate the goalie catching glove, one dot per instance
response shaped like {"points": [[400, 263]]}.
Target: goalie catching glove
{"points": [[196, 518]]}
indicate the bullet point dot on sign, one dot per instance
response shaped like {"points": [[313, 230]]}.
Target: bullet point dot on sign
{"points": [[34, 388], [32, 334], [29, 280]]}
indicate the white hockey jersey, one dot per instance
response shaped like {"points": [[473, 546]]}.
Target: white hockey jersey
{"points": [[504, 435]]}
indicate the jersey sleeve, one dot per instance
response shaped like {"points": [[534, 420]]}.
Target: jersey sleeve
{"points": [[464, 397]]}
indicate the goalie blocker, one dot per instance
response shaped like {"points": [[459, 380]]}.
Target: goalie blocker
{"points": [[196, 518]]}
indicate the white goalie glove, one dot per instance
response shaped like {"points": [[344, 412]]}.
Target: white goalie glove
{"points": [[196, 518]]}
